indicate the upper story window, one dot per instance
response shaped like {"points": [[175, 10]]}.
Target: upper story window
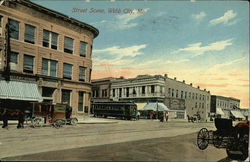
{"points": [[50, 39], [68, 45], [13, 60], [29, 35], [83, 46], [82, 71], [14, 29], [152, 89], [143, 90], [28, 64], [49, 67], [67, 71], [177, 93]]}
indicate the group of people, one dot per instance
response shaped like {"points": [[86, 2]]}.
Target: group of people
{"points": [[162, 115]]}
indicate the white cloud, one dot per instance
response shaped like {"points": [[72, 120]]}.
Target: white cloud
{"points": [[217, 67], [120, 52], [225, 19], [198, 17], [198, 49]]}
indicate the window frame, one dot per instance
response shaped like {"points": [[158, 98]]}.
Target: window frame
{"points": [[65, 77], [28, 33], [33, 64], [66, 50]]}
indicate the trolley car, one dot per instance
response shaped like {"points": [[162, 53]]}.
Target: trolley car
{"points": [[124, 110]]}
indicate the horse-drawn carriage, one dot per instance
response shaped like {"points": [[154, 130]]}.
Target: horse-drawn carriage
{"points": [[234, 139], [53, 114]]}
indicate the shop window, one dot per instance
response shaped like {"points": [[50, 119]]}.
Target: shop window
{"points": [[29, 35], [82, 71], [67, 71], [80, 101], [68, 45], [49, 67], [83, 46], [66, 96], [14, 29], [28, 64], [50, 39]]}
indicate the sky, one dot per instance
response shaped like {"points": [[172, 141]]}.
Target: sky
{"points": [[202, 42]]}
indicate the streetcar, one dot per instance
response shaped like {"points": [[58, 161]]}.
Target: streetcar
{"points": [[124, 110]]}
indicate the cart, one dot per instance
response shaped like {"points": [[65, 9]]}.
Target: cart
{"points": [[56, 115], [234, 139]]}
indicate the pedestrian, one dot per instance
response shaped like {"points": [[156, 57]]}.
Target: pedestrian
{"points": [[138, 115], [166, 116]]}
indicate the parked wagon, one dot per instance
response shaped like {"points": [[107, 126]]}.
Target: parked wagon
{"points": [[56, 115], [234, 139]]}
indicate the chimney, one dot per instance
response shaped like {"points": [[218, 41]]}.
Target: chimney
{"points": [[198, 87], [174, 78], [191, 84], [205, 89], [183, 81], [165, 75], [208, 91]]}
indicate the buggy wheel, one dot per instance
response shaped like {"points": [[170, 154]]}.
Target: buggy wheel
{"points": [[37, 122], [203, 138], [59, 123], [217, 140], [73, 121]]}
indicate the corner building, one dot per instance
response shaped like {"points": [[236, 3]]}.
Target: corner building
{"points": [[49, 49]]}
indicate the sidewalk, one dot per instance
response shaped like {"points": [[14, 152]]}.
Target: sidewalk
{"points": [[93, 120]]}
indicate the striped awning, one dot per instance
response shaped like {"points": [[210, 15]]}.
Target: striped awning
{"points": [[237, 114], [140, 105], [19, 90], [219, 111]]}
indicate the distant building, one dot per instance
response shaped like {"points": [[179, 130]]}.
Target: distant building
{"points": [[47, 50], [101, 89], [179, 96], [225, 107]]}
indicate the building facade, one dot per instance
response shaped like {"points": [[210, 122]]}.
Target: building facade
{"points": [[186, 98], [101, 89], [50, 49], [224, 106], [178, 96]]}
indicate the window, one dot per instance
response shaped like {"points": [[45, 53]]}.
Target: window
{"points": [[127, 92], [66, 96], [14, 29], [169, 92], [83, 48], [196, 96], [189, 95], [181, 94], [193, 96], [143, 90], [80, 101], [113, 92], [152, 89], [185, 95], [29, 35], [49, 67], [196, 105], [172, 92], [50, 39], [90, 71], [13, 60], [68, 45], [82, 73], [28, 64], [67, 71], [1, 25], [120, 92], [176, 93]]}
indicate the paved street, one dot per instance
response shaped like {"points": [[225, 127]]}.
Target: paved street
{"points": [[119, 140]]}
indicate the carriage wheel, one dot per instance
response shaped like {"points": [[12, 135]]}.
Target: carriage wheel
{"points": [[37, 122], [203, 138], [59, 123], [73, 121], [217, 140]]}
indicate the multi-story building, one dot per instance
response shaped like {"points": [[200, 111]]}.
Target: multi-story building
{"points": [[101, 89], [179, 96], [225, 106], [186, 98], [48, 49]]}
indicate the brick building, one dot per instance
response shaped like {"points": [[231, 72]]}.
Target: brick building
{"points": [[48, 49]]}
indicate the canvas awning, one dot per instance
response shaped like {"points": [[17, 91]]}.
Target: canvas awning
{"points": [[155, 107], [237, 114], [219, 111], [140, 105], [19, 90]]}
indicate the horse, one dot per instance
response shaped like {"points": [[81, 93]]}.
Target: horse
{"points": [[6, 113]]}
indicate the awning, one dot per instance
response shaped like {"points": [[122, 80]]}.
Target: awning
{"points": [[219, 111], [237, 114], [155, 107], [19, 90], [140, 105]]}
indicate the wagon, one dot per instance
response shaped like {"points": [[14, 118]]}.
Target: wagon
{"points": [[234, 139], [56, 115]]}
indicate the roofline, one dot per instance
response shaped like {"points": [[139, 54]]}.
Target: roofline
{"points": [[28, 3]]}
